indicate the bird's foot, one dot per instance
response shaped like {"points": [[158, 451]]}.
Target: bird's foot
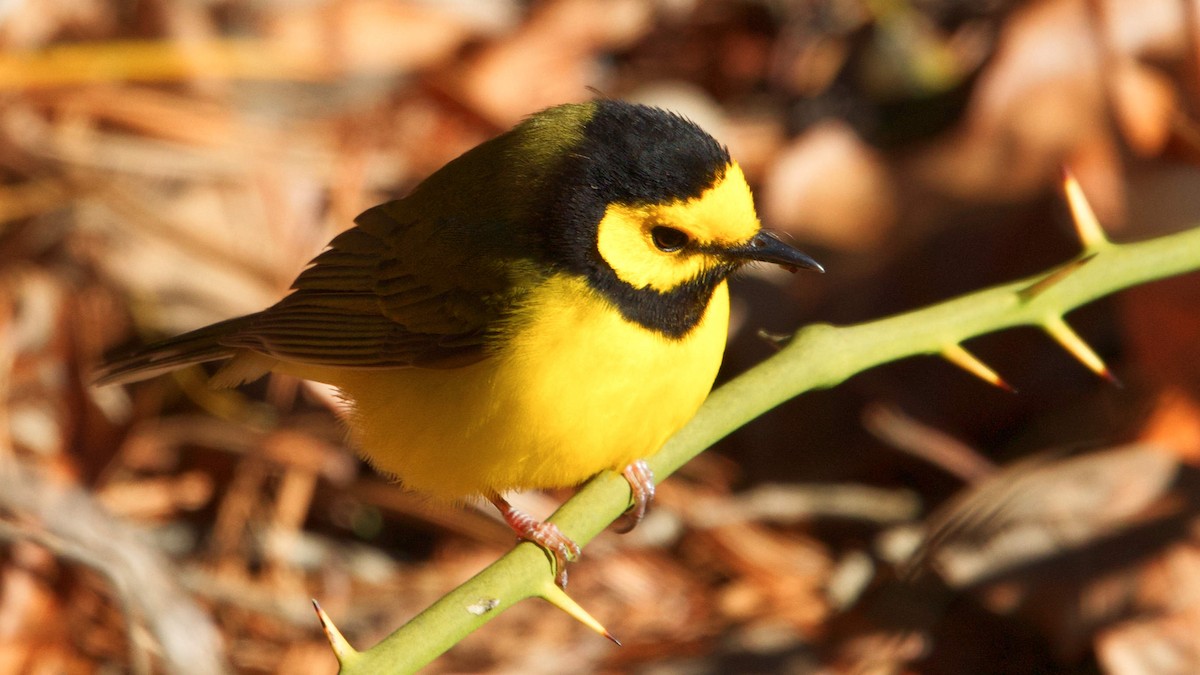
{"points": [[641, 489], [545, 535]]}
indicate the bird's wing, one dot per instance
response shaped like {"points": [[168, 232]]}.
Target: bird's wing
{"points": [[392, 291]]}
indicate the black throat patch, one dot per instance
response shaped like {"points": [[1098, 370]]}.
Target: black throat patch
{"points": [[672, 313]]}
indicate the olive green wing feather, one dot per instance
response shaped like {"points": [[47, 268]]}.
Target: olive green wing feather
{"points": [[422, 281], [393, 291]]}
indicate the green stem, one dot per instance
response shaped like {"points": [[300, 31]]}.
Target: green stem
{"points": [[819, 356]]}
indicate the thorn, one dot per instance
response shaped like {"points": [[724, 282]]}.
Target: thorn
{"points": [[1086, 224], [964, 359], [341, 647], [559, 598], [1053, 277], [1070, 341]]}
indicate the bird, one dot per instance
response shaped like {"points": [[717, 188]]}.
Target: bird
{"points": [[549, 305]]}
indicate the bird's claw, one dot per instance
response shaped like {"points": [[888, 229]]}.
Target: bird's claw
{"points": [[559, 546], [641, 490]]}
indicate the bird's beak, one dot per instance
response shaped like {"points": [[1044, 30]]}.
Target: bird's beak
{"points": [[766, 247]]}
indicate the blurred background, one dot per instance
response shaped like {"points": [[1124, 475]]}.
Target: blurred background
{"points": [[168, 163]]}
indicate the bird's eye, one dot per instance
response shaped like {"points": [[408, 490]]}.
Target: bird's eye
{"points": [[668, 239]]}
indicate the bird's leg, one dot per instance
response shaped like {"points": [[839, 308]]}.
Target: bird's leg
{"points": [[641, 489], [545, 535]]}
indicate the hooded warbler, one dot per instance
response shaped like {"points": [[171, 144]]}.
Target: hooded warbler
{"points": [[549, 305]]}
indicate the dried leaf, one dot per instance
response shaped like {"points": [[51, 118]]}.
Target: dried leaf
{"points": [[830, 187], [1039, 509], [1145, 102]]}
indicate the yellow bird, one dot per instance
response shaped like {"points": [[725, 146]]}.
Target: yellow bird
{"points": [[549, 305]]}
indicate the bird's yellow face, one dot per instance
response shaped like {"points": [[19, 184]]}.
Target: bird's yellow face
{"points": [[662, 246], [652, 212]]}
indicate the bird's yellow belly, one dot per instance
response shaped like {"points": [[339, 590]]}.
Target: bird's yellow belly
{"points": [[576, 389]]}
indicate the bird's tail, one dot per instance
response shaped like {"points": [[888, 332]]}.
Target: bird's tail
{"points": [[199, 346]]}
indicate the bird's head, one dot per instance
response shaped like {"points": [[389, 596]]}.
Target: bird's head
{"points": [[654, 213]]}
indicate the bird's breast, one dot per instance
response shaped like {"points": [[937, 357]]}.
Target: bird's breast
{"points": [[571, 389]]}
